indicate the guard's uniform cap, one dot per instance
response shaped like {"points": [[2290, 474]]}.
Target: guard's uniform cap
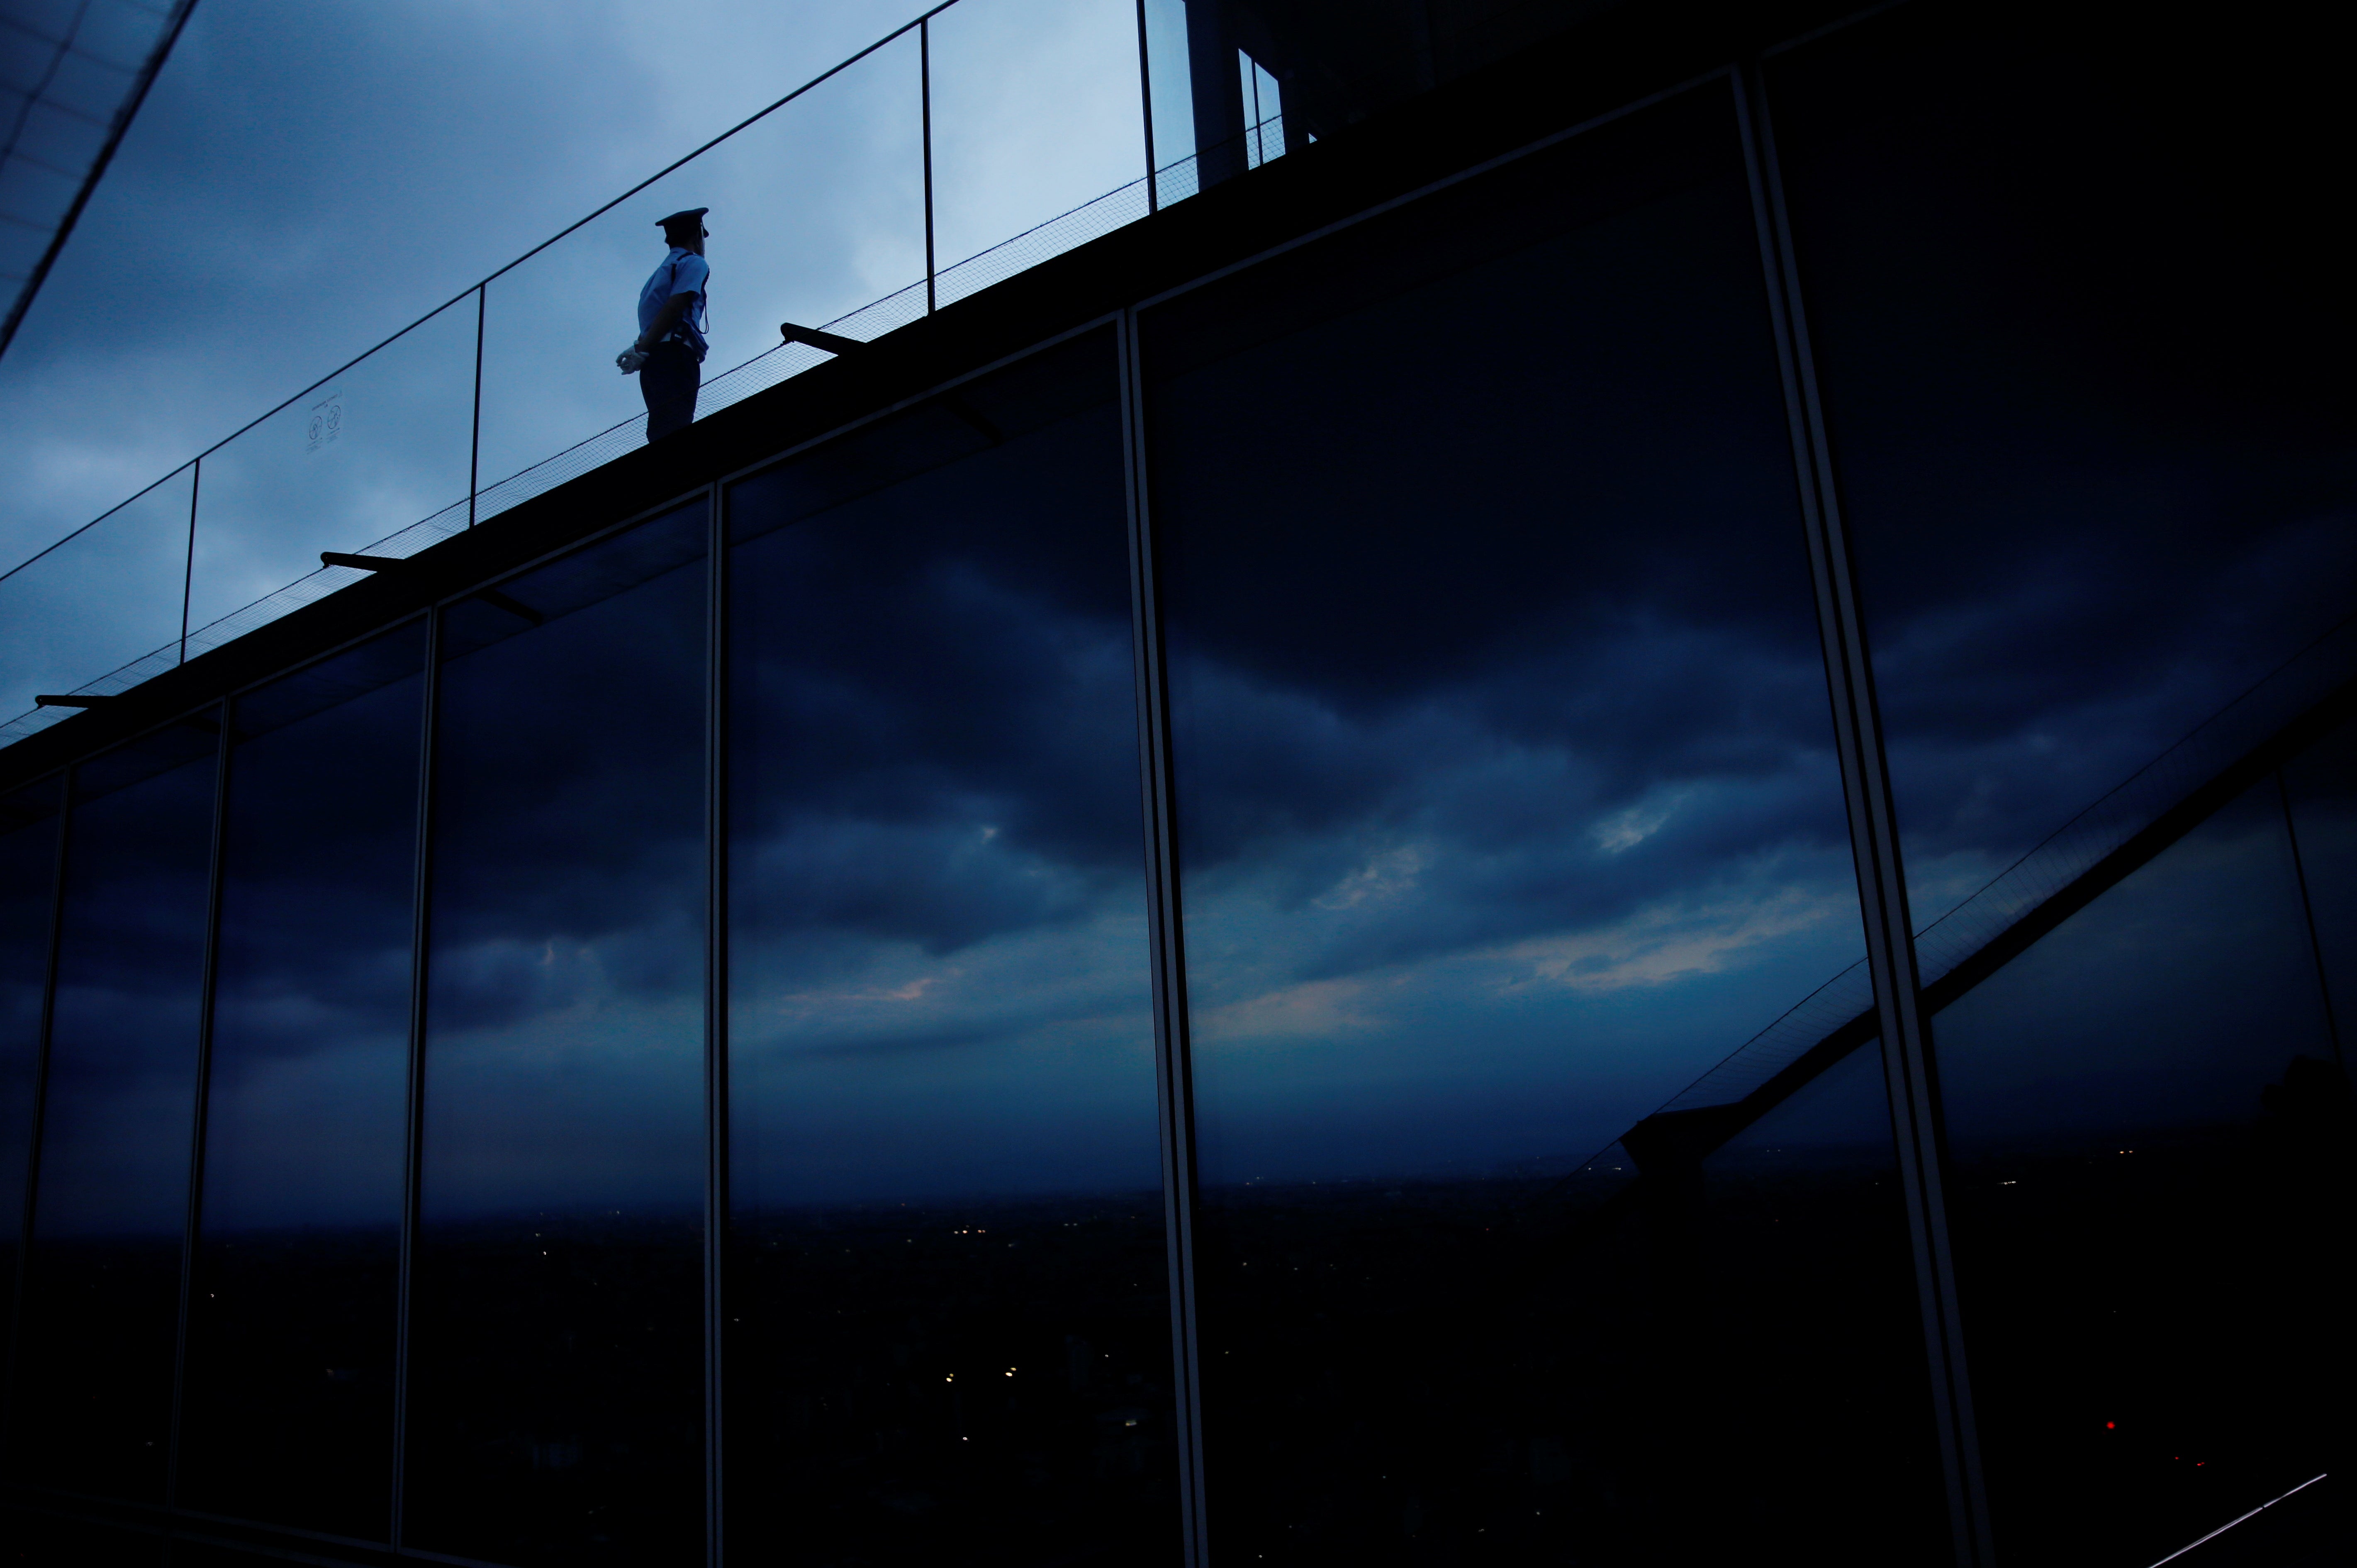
{"points": [[682, 220]]}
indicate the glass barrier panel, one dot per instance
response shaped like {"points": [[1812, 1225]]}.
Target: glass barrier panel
{"points": [[104, 598], [815, 212], [1039, 139], [363, 457]]}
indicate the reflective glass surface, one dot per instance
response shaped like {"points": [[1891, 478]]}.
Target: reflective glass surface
{"points": [[2082, 342], [288, 1404], [28, 865], [1747, 1322], [93, 1378], [948, 1255], [555, 1340], [2148, 1138], [1507, 806], [2083, 350]]}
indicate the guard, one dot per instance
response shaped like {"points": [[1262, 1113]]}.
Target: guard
{"points": [[668, 354]]}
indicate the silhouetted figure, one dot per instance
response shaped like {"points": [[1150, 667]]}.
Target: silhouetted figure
{"points": [[668, 354]]}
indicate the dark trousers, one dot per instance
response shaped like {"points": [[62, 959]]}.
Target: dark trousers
{"points": [[669, 380]]}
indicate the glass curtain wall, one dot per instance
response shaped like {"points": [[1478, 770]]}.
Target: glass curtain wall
{"points": [[2082, 330], [288, 1404], [91, 1404], [29, 862], [949, 1320], [1507, 804], [556, 1353], [2149, 1122]]}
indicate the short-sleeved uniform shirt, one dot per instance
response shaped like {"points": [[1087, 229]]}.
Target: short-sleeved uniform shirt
{"points": [[683, 272]]}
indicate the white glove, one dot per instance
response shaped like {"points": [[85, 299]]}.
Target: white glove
{"points": [[631, 358]]}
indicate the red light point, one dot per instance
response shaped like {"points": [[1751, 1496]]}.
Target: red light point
{"points": [[2111, 1426]]}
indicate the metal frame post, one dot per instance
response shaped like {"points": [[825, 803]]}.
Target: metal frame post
{"points": [[1146, 110], [413, 1149], [1174, 1074], [925, 93], [188, 567], [475, 434], [715, 1026], [1907, 1064], [207, 991]]}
